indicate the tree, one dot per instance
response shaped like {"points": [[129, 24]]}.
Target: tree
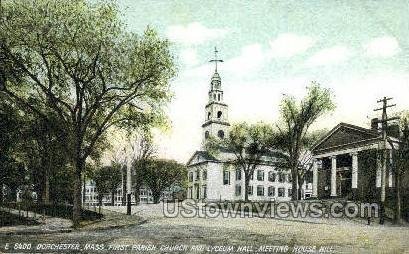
{"points": [[77, 60], [248, 143], [400, 164], [160, 174], [297, 118], [107, 180]]}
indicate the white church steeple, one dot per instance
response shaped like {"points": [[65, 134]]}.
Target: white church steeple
{"points": [[216, 119]]}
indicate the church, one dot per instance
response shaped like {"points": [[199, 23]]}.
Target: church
{"points": [[214, 177]]}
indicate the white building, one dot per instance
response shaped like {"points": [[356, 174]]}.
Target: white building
{"points": [[213, 178], [91, 195]]}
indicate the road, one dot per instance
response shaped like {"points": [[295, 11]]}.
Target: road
{"points": [[218, 234]]}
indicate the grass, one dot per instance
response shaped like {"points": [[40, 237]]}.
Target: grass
{"points": [[8, 219]]}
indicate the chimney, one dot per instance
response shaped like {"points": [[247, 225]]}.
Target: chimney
{"points": [[374, 124]]}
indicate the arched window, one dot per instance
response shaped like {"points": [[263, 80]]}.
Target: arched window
{"points": [[208, 115], [214, 96], [219, 114], [220, 134], [218, 97], [206, 134]]}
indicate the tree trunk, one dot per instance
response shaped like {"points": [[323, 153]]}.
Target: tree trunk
{"points": [[124, 191], [246, 187], [76, 216], [299, 186], [1, 193], [46, 188], [294, 194], [113, 197], [137, 187], [156, 196], [398, 214], [83, 189]]}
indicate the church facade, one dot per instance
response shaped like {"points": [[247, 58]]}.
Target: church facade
{"points": [[215, 178]]}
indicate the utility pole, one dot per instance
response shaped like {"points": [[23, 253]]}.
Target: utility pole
{"points": [[384, 121]]}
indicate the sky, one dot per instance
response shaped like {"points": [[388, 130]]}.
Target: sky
{"points": [[358, 49]]}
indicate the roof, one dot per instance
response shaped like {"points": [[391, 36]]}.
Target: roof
{"points": [[206, 156], [345, 134]]}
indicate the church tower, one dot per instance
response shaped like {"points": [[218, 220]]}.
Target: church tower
{"points": [[216, 111]]}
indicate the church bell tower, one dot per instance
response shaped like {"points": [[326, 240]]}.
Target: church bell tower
{"points": [[216, 111]]}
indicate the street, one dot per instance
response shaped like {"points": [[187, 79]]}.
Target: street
{"points": [[169, 235]]}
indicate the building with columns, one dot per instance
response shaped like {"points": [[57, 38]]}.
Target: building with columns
{"points": [[214, 177], [347, 163]]}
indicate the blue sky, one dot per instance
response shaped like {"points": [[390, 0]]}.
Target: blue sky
{"points": [[359, 49]]}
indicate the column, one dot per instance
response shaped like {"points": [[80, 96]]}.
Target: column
{"points": [[354, 170], [315, 178], [378, 171], [354, 175], [333, 176], [390, 171]]}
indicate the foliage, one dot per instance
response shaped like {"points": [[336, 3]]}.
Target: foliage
{"points": [[107, 180], [160, 174], [78, 61], [248, 142], [297, 118]]}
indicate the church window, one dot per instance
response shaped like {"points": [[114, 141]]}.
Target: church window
{"points": [[281, 177], [238, 190], [290, 192], [260, 175], [271, 176], [219, 114], [281, 192], [226, 177], [220, 134], [271, 191], [190, 176], [209, 115], [250, 190], [206, 134], [238, 174], [260, 190], [214, 96], [218, 97]]}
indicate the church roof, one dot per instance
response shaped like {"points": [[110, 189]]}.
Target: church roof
{"points": [[201, 156], [345, 135]]}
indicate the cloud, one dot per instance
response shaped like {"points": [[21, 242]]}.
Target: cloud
{"points": [[251, 58], [193, 33], [329, 56], [287, 45], [382, 47], [189, 56]]}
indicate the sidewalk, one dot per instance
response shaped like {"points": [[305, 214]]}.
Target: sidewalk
{"points": [[48, 224]]}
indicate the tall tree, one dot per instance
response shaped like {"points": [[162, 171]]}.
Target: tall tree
{"points": [[248, 143], [107, 180], [77, 59], [304, 164], [160, 174], [297, 118]]}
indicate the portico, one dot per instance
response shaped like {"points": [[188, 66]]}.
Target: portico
{"points": [[346, 163]]}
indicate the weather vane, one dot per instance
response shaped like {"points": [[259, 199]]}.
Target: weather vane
{"points": [[215, 60]]}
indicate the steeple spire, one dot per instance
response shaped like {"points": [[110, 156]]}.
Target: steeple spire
{"points": [[215, 60]]}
